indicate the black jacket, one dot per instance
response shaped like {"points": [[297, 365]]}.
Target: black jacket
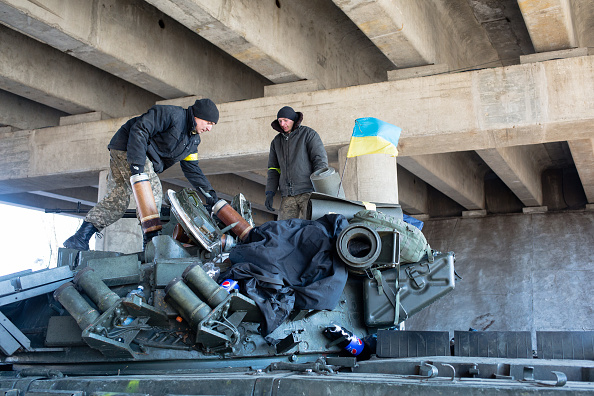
{"points": [[166, 135], [293, 158]]}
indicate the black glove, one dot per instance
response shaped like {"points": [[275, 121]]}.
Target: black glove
{"points": [[136, 169], [269, 200], [213, 198]]}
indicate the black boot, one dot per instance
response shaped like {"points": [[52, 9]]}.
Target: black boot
{"points": [[80, 240]]}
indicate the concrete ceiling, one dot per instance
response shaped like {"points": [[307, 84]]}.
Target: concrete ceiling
{"points": [[74, 70]]}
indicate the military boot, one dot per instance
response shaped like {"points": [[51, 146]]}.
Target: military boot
{"points": [[80, 239]]}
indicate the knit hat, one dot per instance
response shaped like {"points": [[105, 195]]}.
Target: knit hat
{"points": [[287, 112], [206, 110]]}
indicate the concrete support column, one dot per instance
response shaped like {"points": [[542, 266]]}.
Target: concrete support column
{"points": [[370, 178], [125, 235]]}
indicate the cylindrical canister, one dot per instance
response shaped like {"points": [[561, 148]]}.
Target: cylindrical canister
{"points": [[145, 203], [88, 280], [229, 216], [201, 283], [179, 234], [76, 305], [184, 301]]}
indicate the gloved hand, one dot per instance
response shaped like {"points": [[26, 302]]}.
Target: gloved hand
{"points": [[213, 198], [269, 200], [136, 169]]}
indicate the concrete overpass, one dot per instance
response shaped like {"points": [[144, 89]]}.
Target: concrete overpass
{"points": [[494, 96], [508, 120]]}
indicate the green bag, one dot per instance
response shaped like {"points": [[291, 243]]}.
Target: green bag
{"points": [[413, 244]]}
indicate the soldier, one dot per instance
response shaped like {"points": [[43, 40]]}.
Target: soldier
{"points": [[295, 153], [149, 144]]}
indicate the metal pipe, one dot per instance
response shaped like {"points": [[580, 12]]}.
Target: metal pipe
{"points": [[88, 280], [184, 301], [202, 284], [76, 305]]}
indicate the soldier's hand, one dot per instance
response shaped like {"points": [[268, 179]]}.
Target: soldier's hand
{"points": [[136, 169], [210, 201], [269, 200]]}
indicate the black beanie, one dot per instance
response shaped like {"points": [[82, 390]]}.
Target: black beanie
{"points": [[206, 110], [287, 112]]}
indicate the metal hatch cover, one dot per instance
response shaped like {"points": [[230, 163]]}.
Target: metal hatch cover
{"points": [[194, 218]]}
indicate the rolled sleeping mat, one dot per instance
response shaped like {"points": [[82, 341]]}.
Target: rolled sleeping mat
{"points": [[322, 204], [327, 181]]}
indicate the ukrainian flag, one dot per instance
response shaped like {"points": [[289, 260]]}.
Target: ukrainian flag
{"points": [[373, 136]]}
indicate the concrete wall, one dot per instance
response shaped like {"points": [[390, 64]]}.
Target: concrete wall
{"points": [[523, 272]]}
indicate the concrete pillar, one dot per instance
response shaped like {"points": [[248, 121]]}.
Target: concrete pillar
{"points": [[369, 178], [125, 235]]}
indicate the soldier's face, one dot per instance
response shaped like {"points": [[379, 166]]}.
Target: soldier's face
{"points": [[286, 124], [203, 125]]}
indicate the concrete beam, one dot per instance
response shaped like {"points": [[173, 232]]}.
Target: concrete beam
{"points": [[583, 22], [259, 177], [82, 118], [582, 152], [492, 108], [412, 192], [545, 56], [549, 24], [22, 113], [456, 175], [306, 40], [228, 185], [293, 87], [38, 202], [36, 71], [505, 27], [85, 195], [418, 33], [520, 168], [137, 43]]}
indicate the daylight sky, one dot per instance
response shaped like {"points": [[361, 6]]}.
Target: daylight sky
{"points": [[30, 238]]}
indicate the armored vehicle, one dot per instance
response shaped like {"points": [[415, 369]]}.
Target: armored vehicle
{"points": [[215, 305]]}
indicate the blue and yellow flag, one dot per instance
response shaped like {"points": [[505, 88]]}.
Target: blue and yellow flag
{"points": [[373, 136]]}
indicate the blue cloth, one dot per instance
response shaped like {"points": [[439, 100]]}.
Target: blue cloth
{"points": [[413, 221]]}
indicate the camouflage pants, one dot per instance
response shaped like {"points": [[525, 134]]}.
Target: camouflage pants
{"points": [[294, 207], [112, 207]]}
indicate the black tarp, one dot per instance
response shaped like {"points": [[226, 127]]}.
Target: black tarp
{"points": [[290, 264]]}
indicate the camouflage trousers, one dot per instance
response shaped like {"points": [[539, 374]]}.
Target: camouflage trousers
{"points": [[113, 205], [294, 207]]}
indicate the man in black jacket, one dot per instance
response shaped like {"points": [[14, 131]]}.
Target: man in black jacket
{"points": [[149, 144], [295, 153]]}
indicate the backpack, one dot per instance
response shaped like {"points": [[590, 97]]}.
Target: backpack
{"points": [[413, 244]]}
